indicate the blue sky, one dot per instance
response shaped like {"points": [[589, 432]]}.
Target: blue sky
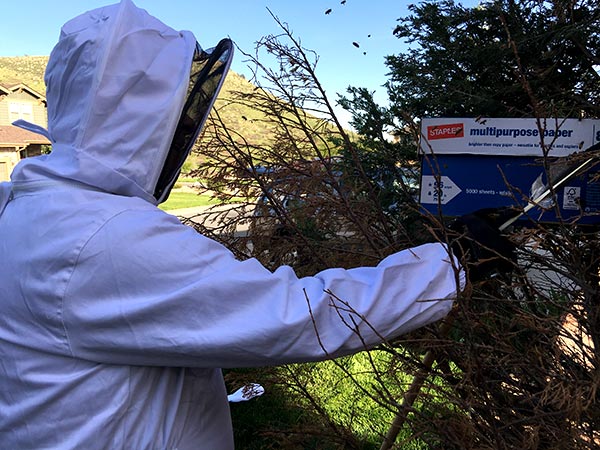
{"points": [[34, 26]]}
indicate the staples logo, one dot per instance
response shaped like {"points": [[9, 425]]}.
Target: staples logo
{"points": [[453, 130]]}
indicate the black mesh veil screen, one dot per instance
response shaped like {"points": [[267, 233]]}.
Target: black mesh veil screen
{"points": [[206, 78]]}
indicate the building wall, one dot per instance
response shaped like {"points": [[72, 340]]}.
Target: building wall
{"points": [[9, 157], [22, 105]]}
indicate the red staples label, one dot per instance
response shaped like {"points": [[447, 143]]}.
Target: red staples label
{"points": [[452, 130]]}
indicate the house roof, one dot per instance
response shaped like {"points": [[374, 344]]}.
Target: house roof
{"points": [[7, 88], [15, 136]]}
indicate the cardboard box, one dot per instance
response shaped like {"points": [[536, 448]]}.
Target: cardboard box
{"points": [[470, 164]]}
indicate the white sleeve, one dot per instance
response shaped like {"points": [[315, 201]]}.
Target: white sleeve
{"points": [[147, 290]]}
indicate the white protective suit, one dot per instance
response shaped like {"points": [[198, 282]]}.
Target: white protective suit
{"points": [[115, 317]]}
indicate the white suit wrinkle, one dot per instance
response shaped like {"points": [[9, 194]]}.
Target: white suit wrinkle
{"points": [[5, 195], [116, 318]]}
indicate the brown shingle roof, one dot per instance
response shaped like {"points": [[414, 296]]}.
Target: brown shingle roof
{"points": [[11, 135]]}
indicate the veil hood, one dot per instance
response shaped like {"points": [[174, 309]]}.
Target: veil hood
{"points": [[116, 85]]}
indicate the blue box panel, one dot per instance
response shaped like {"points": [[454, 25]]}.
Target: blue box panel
{"points": [[457, 184]]}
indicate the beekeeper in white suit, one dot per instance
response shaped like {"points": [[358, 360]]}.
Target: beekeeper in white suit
{"points": [[116, 317]]}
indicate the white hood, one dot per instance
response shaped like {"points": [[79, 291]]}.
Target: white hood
{"points": [[116, 84]]}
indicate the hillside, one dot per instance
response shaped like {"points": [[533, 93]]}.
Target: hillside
{"points": [[30, 70], [24, 69]]}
